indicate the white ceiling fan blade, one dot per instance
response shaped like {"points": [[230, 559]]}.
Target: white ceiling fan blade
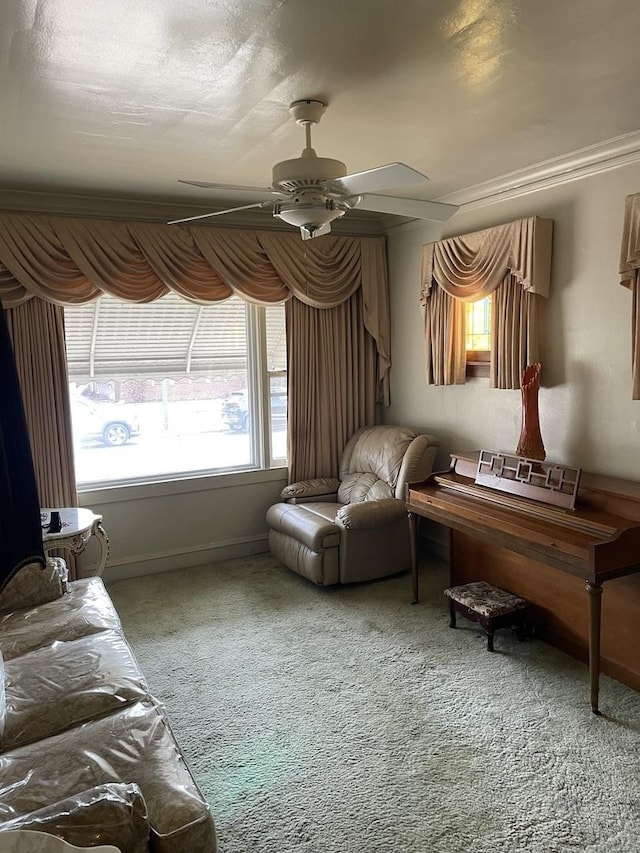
{"points": [[219, 212], [265, 192], [413, 207], [381, 178]]}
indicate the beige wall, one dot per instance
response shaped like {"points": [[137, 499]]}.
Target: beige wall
{"points": [[175, 525], [587, 416]]}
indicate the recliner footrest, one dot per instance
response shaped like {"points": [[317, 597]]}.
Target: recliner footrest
{"points": [[307, 523]]}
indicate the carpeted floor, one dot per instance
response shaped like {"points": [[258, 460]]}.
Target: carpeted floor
{"points": [[347, 720]]}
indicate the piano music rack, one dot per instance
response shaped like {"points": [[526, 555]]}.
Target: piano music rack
{"points": [[547, 482]]}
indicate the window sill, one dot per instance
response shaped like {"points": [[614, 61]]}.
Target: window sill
{"points": [[121, 492], [478, 364], [477, 371]]}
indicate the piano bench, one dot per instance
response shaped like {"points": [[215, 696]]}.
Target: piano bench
{"points": [[491, 607]]}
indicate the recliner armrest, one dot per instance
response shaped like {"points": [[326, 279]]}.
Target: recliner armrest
{"points": [[320, 488], [369, 514]]}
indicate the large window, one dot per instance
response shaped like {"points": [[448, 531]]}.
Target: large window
{"points": [[172, 389]]}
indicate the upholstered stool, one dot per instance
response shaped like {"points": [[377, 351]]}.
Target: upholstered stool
{"points": [[491, 607]]}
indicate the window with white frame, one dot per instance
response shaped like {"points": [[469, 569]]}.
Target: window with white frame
{"points": [[171, 389]]}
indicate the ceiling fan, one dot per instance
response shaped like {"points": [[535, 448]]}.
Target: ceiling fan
{"points": [[309, 192]]}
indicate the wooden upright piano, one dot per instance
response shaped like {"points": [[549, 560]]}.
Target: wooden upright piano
{"points": [[519, 543]]}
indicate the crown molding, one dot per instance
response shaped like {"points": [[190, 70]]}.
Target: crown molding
{"points": [[586, 162], [583, 163], [356, 223]]}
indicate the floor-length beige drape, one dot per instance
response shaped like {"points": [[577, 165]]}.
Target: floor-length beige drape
{"points": [[331, 383], [37, 334], [512, 263], [36, 329]]}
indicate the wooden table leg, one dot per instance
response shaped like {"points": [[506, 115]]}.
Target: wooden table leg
{"points": [[413, 533], [595, 607], [101, 535]]}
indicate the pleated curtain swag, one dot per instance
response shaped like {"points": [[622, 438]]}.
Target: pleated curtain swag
{"points": [[511, 262]]}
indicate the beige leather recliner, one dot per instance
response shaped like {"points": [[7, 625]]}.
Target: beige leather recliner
{"points": [[354, 528]]}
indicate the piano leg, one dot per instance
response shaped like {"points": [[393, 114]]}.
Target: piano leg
{"points": [[413, 533], [595, 606]]}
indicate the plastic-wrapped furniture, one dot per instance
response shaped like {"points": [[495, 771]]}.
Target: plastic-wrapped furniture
{"points": [[105, 812], [34, 841], [354, 527], [86, 752]]}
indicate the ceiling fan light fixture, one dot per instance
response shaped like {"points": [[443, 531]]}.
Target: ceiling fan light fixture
{"points": [[309, 214]]}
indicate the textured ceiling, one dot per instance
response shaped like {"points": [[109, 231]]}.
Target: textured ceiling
{"points": [[121, 98]]}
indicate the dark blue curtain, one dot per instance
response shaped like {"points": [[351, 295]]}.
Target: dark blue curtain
{"points": [[20, 531]]}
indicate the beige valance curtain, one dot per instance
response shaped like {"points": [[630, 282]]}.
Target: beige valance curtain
{"points": [[71, 261], [512, 262], [630, 277]]}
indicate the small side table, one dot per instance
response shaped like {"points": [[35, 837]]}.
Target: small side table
{"points": [[78, 526]]}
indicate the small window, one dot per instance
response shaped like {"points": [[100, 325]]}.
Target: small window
{"points": [[478, 337]]}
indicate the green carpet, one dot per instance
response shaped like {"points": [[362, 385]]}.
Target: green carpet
{"points": [[347, 720]]}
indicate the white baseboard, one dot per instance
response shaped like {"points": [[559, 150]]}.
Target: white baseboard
{"points": [[164, 561], [431, 541]]}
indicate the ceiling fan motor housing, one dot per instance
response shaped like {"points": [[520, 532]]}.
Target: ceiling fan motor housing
{"points": [[304, 172], [308, 170]]}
